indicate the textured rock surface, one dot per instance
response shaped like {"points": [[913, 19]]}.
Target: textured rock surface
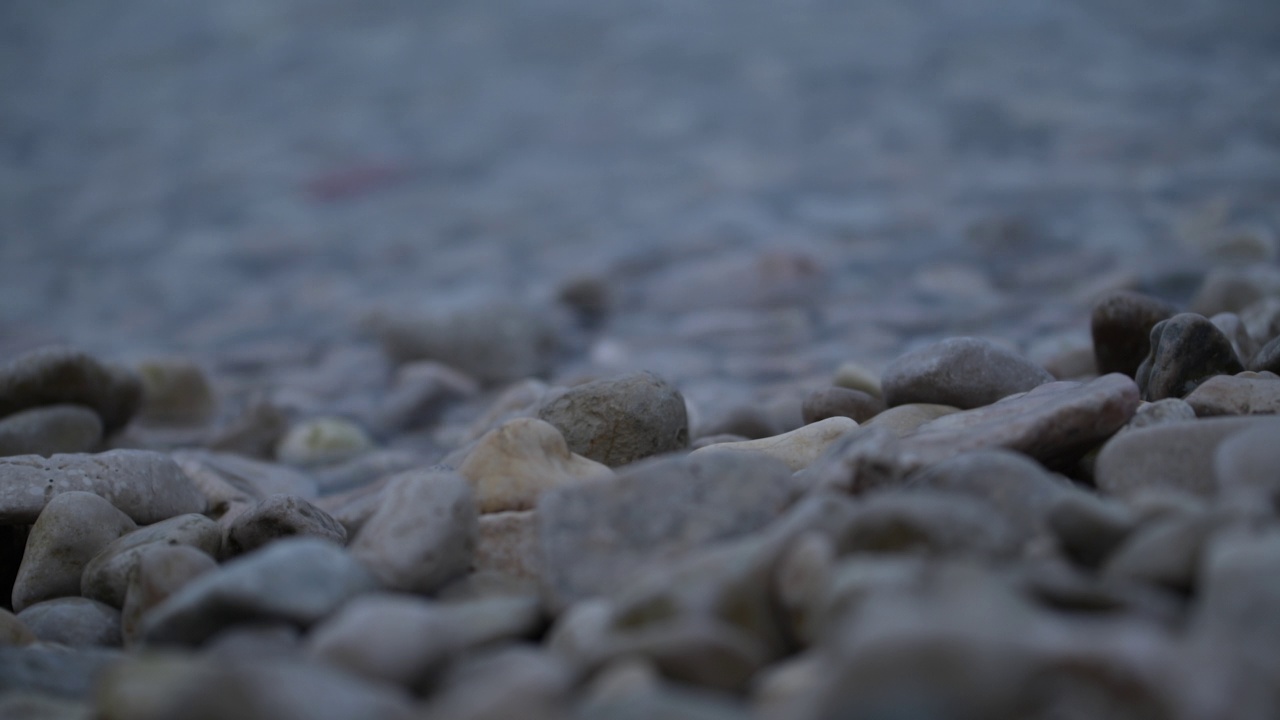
{"points": [[796, 449], [280, 516], [71, 530], [510, 467], [619, 420], [106, 576], [161, 570], [1185, 351], [507, 543], [962, 372], [1121, 328], [146, 486], [50, 429], [73, 621], [1236, 395], [56, 375]]}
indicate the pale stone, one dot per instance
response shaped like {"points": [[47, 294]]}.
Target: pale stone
{"points": [[106, 576], [72, 529], [175, 391], [1178, 456], [513, 465], [161, 570], [797, 449], [856, 377], [322, 441]]}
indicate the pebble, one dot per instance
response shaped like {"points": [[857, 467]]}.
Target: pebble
{"points": [[280, 516], [503, 682], [161, 570], [840, 402], [1163, 552], [856, 377], [254, 433], [73, 621], [904, 420], [512, 466], [364, 469], [1246, 463], [796, 449], [1232, 289], [494, 343], [50, 429], [296, 580], [1049, 423], [962, 372], [423, 533], [1089, 528], [1267, 359], [507, 543], [54, 670], [1243, 394], [619, 420], [106, 576], [1161, 412], [322, 441], [857, 462], [1234, 330], [1121, 326], [24, 706], [57, 375], [398, 639], [175, 391], [936, 524], [12, 631], [593, 536], [1177, 456], [147, 486], [1186, 350], [71, 530], [232, 484]]}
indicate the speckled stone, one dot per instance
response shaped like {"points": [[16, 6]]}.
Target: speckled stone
{"points": [[280, 516]]}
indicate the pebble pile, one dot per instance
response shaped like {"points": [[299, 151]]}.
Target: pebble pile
{"points": [[963, 535]]}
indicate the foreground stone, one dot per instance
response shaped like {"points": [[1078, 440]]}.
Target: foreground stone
{"points": [[51, 376], [72, 529], [73, 621], [1186, 350], [54, 670], [962, 372], [146, 486], [513, 465], [50, 429], [619, 420]]}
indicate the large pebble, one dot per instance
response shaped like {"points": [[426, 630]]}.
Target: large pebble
{"points": [[423, 533], [797, 449], [147, 486], [280, 516], [1177, 456], [837, 401], [296, 580], [1121, 326], [494, 343], [51, 376], [1244, 394], [72, 529], [161, 571], [175, 391], [1165, 551], [510, 467], [963, 372], [593, 536], [1051, 423], [73, 621], [1186, 350], [507, 543], [106, 576], [619, 420], [50, 429]]}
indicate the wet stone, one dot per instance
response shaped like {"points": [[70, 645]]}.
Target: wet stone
{"points": [[1186, 350], [57, 375], [619, 420], [962, 372], [1121, 326], [50, 429]]}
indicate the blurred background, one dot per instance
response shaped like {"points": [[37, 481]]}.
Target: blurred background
{"points": [[199, 176]]}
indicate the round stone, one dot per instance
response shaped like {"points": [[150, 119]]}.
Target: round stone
{"points": [[620, 420]]}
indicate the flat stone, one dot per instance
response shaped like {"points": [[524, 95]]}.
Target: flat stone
{"points": [[161, 570], [1177, 456], [56, 375], [836, 401], [106, 576], [423, 533], [72, 529], [1243, 394], [146, 486], [295, 580], [963, 372], [796, 449], [1186, 350], [73, 621], [507, 542], [619, 420], [50, 429], [280, 516], [1054, 421], [322, 441], [175, 391], [904, 420], [594, 536], [1121, 326], [513, 465]]}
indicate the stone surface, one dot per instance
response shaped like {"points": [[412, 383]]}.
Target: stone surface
{"points": [[1161, 412], [1178, 456], [510, 467], [175, 391], [593, 536], [1236, 395], [503, 682], [50, 429], [161, 570], [106, 576], [1165, 551], [73, 621], [796, 449], [280, 516], [56, 375], [1186, 350], [146, 486], [857, 462], [494, 343], [12, 631], [619, 420], [856, 377], [507, 542], [322, 441], [53, 670], [423, 533], [1233, 329], [233, 484], [837, 401], [937, 524], [962, 372], [906, 419], [419, 393], [1121, 326], [1267, 359], [1089, 527], [71, 530], [295, 580], [1054, 421]]}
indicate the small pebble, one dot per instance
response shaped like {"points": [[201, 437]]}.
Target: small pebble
{"points": [[840, 402], [961, 372], [73, 621], [322, 441], [55, 375], [175, 391], [512, 466], [280, 516], [50, 429]]}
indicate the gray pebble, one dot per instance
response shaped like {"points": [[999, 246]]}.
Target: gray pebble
{"points": [[840, 402], [620, 420], [161, 570], [73, 528], [1243, 394], [1161, 412], [106, 576], [280, 516], [54, 670], [961, 372], [1186, 350], [57, 375], [1121, 326], [50, 429], [175, 391], [73, 621]]}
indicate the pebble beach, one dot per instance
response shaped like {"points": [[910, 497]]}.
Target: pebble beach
{"points": [[899, 360]]}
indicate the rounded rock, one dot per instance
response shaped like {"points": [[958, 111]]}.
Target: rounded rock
{"points": [[963, 372], [73, 621], [1121, 326], [1186, 350], [797, 449], [106, 576], [513, 465], [837, 401], [50, 429], [322, 441], [56, 375], [175, 391], [161, 571], [620, 420], [280, 516]]}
